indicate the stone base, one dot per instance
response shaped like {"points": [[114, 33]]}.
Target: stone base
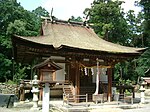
{"points": [[35, 104], [147, 92], [16, 104], [22, 102], [33, 108], [40, 102], [98, 97]]}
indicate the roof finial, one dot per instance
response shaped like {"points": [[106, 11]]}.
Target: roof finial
{"points": [[85, 21], [51, 16]]}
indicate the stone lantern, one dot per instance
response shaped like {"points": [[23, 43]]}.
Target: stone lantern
{"points": [[142, 90], [47, 74], [35, 91]]}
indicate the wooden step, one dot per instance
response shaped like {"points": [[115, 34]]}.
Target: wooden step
{"points": [[68, 91]]}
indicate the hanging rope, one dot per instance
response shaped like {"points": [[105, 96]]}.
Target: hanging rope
{"points": [[99, 66], [85, 69], [92, 70]]}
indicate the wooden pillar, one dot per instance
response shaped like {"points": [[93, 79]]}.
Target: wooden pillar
{"points": [[109, 72], [72, 73], [22, 94], [67, 69], [41, 94], [77, 80]]}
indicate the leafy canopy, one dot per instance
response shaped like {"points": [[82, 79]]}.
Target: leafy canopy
{"points": [[14, 19]]}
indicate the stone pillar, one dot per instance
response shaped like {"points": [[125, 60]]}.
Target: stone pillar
{"points": [[142, 90], [46, 97]]}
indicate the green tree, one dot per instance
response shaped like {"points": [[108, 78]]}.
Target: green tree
{"points": [[41, 12], [108, 19], [143, 63], [5, 68], [14, 19], [145, 4], [21, 72], [135, 28], [110, 22], [78, 19]]}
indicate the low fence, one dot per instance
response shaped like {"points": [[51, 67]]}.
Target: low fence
{"points": [[72, 99]]}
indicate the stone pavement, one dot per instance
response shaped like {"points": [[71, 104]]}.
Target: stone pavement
{"points": [[57, 106], [104, 107]]}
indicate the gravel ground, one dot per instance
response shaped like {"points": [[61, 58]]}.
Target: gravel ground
{"points": [[3, 109], [143, 109], [56, 106]]}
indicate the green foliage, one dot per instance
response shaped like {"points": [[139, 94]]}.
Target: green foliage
{"points": [[135, 29], [128, 82], [18, 27], [117, 73], [20, 72], [41, 12], [126, 71], [7, 15], [108, 19], [14, 19], [78, 19], [146, 9], [5, 67], [10, 82], [143, 63], [110, 22]]}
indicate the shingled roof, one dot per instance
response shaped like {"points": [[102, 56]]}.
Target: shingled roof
{"points": [[76, 36]]}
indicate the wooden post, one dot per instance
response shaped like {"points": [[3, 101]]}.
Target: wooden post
{"points": [[77, 80], [109, 71], [22, 95], [22, 91], [41, 94], [67, 69]]}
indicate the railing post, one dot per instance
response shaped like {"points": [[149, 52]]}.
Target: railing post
{"points": [[132, 98], [67, 99], [63, 98], [86, 99]]}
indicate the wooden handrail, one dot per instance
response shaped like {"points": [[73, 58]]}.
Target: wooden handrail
{"points": [[75, 97]]}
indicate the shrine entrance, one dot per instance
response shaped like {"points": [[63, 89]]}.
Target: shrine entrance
{"points": [[75, 43]]}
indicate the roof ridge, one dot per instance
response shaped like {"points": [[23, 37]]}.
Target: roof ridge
{"points": [[69, 22]]}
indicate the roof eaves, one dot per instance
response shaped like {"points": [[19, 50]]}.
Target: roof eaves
{"points": [[47, 61]]}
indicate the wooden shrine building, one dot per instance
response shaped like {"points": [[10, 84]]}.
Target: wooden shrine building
{"points": [[75, 47]]}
